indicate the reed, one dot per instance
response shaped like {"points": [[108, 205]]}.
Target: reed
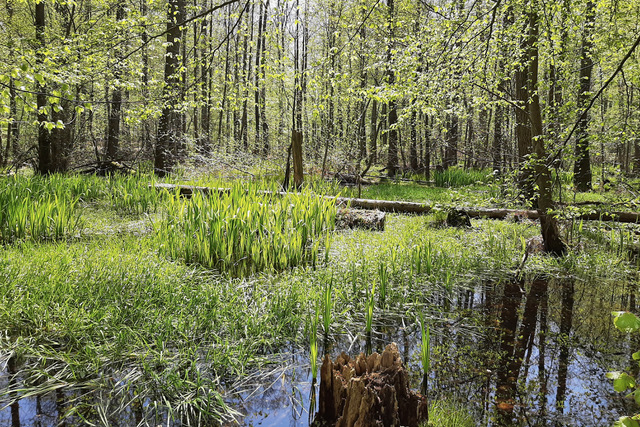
{"points": [[36, 208], [425, 352], [369, 305], [383, 275], [246, 231], [313, 345], [327, 306]]}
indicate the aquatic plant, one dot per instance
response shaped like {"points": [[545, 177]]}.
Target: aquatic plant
{"points": [[383, 275], [327, 306], [369, 305], [244, 230], [313, 345], [36, 209], [626, 322], [424, 345]]}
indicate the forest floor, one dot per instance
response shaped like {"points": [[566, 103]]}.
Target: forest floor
{"points": [[104, 321]]}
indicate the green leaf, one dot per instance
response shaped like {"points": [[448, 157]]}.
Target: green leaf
{"points": [[621, 381], [625, 321], [39, 78], [626, 422], [636, 355]]}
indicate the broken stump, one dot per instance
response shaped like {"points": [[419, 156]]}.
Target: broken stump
{"points": [[368, 391]]}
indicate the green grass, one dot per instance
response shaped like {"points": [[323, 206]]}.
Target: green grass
{"points": [[243, 231], [443, 413], [458, 177], [158, 316]]}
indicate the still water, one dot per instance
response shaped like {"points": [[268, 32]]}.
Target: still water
{"points": [[513, 354]]}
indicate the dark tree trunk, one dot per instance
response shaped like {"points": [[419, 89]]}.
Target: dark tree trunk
{"points": [[550, 233], [427, 148], [171, 121], [392, 152], [45, 165], [451, 149], [498, 138], [113, 131], [146, 126], [373, 137], [582, 166], [413, 143]]}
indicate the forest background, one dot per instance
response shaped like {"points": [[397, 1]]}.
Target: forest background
{"points": [[410, 85]]}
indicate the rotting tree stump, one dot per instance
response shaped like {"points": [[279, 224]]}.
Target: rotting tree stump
{"points": [[368, 391]]}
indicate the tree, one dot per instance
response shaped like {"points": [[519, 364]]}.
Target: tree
{"points": [[582, 166], [170, 135], [548, 223]]}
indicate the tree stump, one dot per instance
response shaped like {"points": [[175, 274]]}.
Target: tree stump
{"points": [[368, 391], [458, 218]]}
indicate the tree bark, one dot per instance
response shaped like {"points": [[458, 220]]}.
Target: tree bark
{"points": [[44, 141], [451, 149], [170, 123], [392, 152], [548, 223], [582, 166], [113, 132]]}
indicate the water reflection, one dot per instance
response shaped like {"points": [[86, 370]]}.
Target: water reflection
{"points": [[515, 353]]}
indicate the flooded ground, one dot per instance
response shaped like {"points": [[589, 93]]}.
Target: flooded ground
{"points": [[532, 354], [529, 354]]}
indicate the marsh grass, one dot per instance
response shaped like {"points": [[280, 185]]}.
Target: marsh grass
{"points": [[444, 413], [457, 177], [327, 306], [36, 209], [246, 231], [313, 344], [128, 319]]}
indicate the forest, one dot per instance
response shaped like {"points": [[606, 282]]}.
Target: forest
{"points": [[295, 212]]}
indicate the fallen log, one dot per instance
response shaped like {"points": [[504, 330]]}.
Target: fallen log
{"points": [[422, 208], [372, 204]]}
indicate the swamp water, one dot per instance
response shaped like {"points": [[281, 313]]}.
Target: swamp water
{"points": [[509, 353]]}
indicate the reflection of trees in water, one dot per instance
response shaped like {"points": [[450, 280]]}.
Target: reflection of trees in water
{"points": [[566, 318], [559, 376]]}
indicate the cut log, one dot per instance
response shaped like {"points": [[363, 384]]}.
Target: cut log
{"points": [[422, 208]]}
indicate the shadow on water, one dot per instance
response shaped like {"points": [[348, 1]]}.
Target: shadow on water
{"points": [[513, 354]]}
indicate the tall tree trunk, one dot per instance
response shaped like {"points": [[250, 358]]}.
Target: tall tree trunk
{"points": [[451, 148], [548, 223], [392, 152], [146, 126], [113, 131], [498, 138], [582, 166], [526, 178], [170, 124], [427, 148], [44, 141], [413, 143], [373, 136]]}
